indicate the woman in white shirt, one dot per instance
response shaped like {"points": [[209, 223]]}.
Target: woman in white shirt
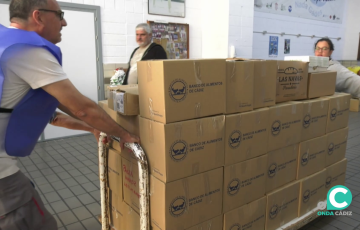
{"points": [[346, 81]]}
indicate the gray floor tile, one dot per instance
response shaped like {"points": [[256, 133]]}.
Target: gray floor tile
{"points": [[341, 225], [64, 175], [68, 167], [81, 179], [67, 217], [92, 177], [48, 207], [35, 174], [52, 197], [75, 172], [85, 170], [62, 228], [75, 226], [52, 178], [58, 169], [59, 206], [58, 185], [65, 193], [45, 188], [77, 190], [86, 199], [52, 163], [94, 208], [40, 181], [70, 182], [95, 194], [82, 213], [47, 171], [59, 223], [42, 166], [74, 202], [31, 168], [89, 187], [91, 224], [347, 220]]}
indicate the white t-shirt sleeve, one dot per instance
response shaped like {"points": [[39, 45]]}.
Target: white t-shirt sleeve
{"points": [[36, 66]]}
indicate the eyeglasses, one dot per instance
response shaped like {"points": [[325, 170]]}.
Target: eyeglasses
{"points": [[322, 49], [57, 12]]}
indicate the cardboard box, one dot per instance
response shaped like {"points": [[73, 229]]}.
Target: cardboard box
{"points": [[316, 63], [312, 191], [285, 124], [243, 133], [321, 84], [311, 158], [178, 90], [281, 167], [130, 96], [130, 123], [249, 216], [244, 182], [315, 114], [184, 203], [282, 206], [335, 175], [264, 83], [292, 81], [354, 104], [122, 216], [130, 173], [214, 223], [124, 99], [336, 146], [182, 149], [239, 86], [115, 173], [338, 118]]}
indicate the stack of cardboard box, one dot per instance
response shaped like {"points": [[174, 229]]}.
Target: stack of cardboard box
{"points": [[221, 152]]}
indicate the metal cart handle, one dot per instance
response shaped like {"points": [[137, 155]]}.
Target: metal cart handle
{"points": [[143, 184]]}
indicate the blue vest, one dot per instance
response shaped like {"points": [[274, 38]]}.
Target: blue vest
{"points": [[30, 116]]}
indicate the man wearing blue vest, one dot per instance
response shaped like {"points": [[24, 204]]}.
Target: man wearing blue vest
{"points": [[32, 85]]}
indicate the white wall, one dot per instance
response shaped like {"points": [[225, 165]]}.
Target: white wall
{"points": [[241, 17], [120, 17], [214, 18], [292, 25], [352, 30]]}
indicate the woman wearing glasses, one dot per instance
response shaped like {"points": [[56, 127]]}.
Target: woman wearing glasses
{"points": [[346, 80]]}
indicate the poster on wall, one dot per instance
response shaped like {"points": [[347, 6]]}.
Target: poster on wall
{"points": [[322, 10], [287, 46], [273, 46], [175, 8]]}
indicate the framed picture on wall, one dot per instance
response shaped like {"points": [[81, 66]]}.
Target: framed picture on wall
{"points": [[174, 8]]}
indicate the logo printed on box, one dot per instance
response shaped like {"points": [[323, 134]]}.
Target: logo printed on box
{"points": [[235, 227], [235, 139], [272, 170], [177, 206], [328, 182], [306, 196], [234, 187], [276, 128], [331, 148], [273, 211], [333, 114], [178, 150], [305, 159], [178, 90], [291, 70], [307, 121]]}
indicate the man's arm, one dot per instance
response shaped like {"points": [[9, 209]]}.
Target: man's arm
{"points": [[88, 111], [65, 121]]}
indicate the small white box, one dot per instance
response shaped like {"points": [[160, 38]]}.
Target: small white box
{"points": [[316, 64]]}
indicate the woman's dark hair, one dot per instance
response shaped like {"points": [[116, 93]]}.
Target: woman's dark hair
{"points": [[329, 42]]}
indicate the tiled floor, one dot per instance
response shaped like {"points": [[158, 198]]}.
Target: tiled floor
{"points": [[65, 173]]}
